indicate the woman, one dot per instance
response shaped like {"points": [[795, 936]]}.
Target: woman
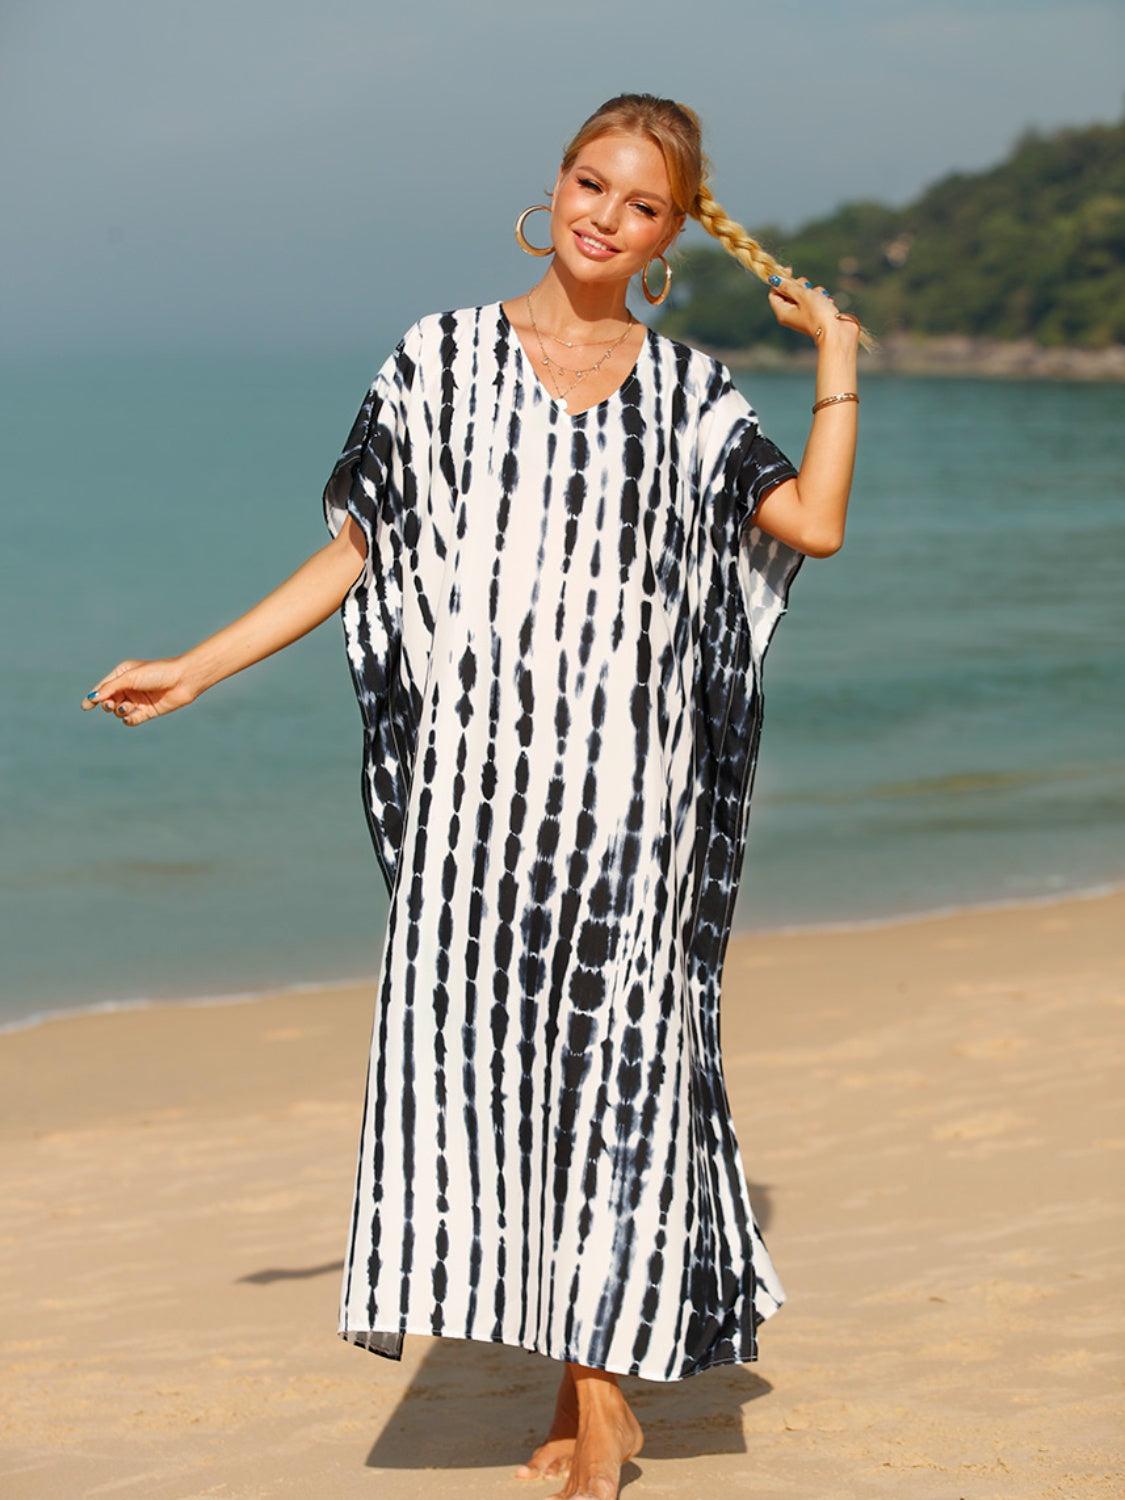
{"points": [[573, 543]]}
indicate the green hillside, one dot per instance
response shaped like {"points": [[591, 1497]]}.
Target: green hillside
{"points": [[1031, 248]]}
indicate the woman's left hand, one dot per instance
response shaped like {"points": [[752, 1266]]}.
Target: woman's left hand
{"points": [[807, 308]]}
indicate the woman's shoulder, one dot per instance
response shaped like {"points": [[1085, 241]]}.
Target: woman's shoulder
{"points": [[448, 322], [433, 337], [702, 376]]}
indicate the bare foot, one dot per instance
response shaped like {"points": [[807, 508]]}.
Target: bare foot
{"points": [[552, 1458], [608, 1435]]}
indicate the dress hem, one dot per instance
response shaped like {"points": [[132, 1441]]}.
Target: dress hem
{"points": [[357, 1336]]}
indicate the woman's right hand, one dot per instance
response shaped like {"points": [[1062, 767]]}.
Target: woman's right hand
{"points": [[136, 691]]}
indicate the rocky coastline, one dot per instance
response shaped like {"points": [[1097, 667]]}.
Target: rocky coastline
{"points": [[950, 354]]}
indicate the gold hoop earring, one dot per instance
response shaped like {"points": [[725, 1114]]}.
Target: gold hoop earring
{"points": [[521, 238], [664, 290]]}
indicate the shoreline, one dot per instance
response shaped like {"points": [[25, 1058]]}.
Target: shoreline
{"points": [[39, 1018], [947, 354]]}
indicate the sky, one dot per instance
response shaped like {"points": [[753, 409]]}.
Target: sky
{"points": [[266, 175]]}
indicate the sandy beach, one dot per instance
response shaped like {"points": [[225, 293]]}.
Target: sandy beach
{"points": [[931, 1117]]}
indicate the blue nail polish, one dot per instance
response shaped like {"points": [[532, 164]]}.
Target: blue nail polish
{"points": [[93, 693], [775, 281], [808, 283]]}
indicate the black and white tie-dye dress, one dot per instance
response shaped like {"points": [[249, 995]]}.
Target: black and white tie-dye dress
{"points": [[557, 642]]}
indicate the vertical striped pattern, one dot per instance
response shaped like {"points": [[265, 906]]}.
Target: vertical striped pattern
{"points": [[557, 641]]}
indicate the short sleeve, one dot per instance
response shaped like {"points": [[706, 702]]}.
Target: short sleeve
{"points": [[371, 479], [761, 466], [740, 464], [374, 480]]}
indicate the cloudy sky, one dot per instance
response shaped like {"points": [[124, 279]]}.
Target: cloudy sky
{"points": [[292, 175]]}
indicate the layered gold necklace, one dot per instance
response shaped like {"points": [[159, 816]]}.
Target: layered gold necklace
{"points": [[553, 364]]}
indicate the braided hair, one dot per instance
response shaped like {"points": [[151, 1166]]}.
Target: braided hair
{"points": [[677, 130]]}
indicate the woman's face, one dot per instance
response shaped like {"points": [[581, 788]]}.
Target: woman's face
{"points": [[617, 193]]}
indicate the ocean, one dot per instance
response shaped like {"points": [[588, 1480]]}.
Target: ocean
{"points": [[943, 720]]}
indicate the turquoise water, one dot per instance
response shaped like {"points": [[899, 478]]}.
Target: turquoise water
{"points": [[944, 698]]}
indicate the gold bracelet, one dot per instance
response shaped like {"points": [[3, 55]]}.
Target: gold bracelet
{"points": [[843, 396]]}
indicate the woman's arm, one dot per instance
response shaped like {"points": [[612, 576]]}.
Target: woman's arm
{"points": [[138, 690], [304, 601], [810, 512]]}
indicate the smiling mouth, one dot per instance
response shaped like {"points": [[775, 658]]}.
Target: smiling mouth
{"points": [[595, 244]]}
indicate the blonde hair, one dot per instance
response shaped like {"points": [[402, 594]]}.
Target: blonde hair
{"points": [[676, 129]]}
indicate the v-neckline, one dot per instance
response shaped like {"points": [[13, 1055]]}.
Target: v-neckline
{"points": [[559, 402]]}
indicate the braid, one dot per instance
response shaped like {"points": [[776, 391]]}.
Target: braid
{"points": [[677, 130], [744, 247]]}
